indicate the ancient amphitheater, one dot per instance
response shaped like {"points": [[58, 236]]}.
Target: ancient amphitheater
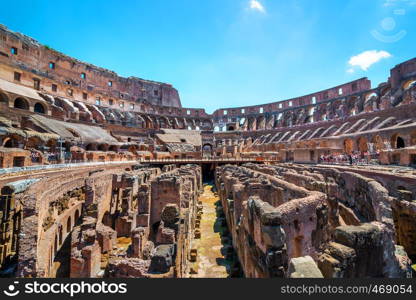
{"points": [[110, 177]]}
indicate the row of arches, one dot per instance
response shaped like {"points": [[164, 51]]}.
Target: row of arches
{"points": [[365, 102], [377, 143], [64, 229], [24, 104]]}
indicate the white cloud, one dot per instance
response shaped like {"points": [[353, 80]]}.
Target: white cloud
{"points": [[256, 5], [366, 59], [351, 70], [388, 3]]}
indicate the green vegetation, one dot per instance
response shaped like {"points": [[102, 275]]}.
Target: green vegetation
{"points": [[49, 48]]}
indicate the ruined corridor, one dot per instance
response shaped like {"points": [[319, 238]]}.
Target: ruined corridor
{"points": [[211, 247]]}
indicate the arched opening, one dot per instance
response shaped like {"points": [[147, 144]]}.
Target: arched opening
{"points": [[207, 150], [409, 84], [378, 143], [348, 146], [397, 142], [13, 141], [400, 143], [3, 98], [55, 246], [21, 104], [60, 236], [231, 128], [113, 148], [8, 143], [76, 217], [52, 145], [298, 249], [91, 147], [102, 147], [162, 123], [155, 227], [362, 144], [39, 108], [34, 142], [68, 225]]}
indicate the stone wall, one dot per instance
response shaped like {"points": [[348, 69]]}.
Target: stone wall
{"points": [[271, 221], [355, 223]]}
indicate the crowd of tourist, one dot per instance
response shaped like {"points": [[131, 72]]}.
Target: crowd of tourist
{"points": [[50, 157], [355, 158]]}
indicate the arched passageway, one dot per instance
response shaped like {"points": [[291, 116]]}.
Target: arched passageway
{"points": [[39, 108], [21, 104], [348, 146]]}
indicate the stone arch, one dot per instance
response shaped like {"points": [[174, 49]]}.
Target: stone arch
{"points": [[378, 143], [362, 144], [21, 103], [76, 216], [60, 235], [163, 122], [348, 146], [207, 147], [39, 108], [4, 98], [52, 144], [91, 147], [397, 141], [113, 148], [55, 247], [68, 225], [407, 84], [13, 141], [400, 142], [34, 142], [102, 147], [141, 123], [260, 123]]}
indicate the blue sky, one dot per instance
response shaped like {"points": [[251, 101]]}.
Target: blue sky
{"points": [[225, 53]]}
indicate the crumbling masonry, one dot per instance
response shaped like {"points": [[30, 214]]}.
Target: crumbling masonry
{"points": [[101, 175]]}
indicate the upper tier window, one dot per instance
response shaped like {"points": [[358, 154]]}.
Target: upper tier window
{"points": [[243, 111], [17, 76], [51, 65], [83, 75], [261, 110], [13, 50], [225, 112], [314, 100], [340, 91], [290, 103], [36, 84], [110, 83]]}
